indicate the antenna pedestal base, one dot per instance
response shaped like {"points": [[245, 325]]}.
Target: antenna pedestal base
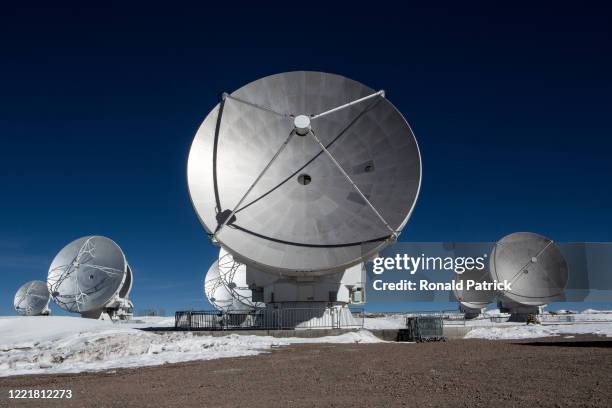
{"points": [[518, 312]]}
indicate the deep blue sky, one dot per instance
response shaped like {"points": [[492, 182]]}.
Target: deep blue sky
{"points": [[98, 107]]}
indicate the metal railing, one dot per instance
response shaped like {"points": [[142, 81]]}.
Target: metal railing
{"points": [[270, 319]]}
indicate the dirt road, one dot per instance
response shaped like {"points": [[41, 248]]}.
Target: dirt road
{"points": [[465, 373]]}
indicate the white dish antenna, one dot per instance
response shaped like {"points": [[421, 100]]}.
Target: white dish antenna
{"points": [[225, 285], [533, 264], [32, 299], [88, 275], [472, 299], [304, 173]]}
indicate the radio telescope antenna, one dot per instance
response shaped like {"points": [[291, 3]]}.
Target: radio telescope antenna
{"points": [[225, 285], [32, 299], [91, 276], [471, 301], [304, 173], [535, 267], [301, 177]]}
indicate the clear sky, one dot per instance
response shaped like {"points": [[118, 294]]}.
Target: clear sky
{"points": [[511, 106]]}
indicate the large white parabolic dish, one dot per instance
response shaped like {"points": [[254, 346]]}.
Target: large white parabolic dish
{"points": [[533, 264], [31, 298], [87, 273], [304, 216]]}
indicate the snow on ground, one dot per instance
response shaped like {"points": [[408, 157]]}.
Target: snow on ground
{"points": [[33, 329], [58, 344], [599, 316], [593, 311], [150, 321], [523, 331], [587, 322], [63, 344], [387, 322], [494, 313]]}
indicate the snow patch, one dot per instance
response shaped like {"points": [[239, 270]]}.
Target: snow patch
{"points": [[536, 331], [385, 323], [57, 344]]}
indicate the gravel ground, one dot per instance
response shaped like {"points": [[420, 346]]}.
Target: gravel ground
{"points": [[464, 373]]}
